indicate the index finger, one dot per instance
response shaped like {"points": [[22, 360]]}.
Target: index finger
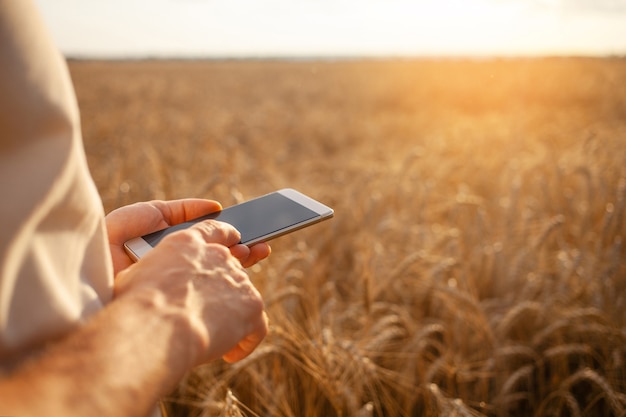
{"points": [[213, 231]]}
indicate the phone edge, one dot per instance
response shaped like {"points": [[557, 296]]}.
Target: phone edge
{"points": [[136, 248], [309, 202]]}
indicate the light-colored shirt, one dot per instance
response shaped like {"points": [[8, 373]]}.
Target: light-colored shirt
{"points": [[55, 266]]}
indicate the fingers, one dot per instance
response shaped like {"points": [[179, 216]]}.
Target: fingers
{"points": [[212, 231], [225, 234], [249, 256], [258, 252], [249, 343]]}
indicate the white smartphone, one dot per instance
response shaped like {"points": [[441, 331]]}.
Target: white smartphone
{"points": [[258, 220]]}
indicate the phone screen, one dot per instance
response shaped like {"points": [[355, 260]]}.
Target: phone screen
{"points": [[253, 219]]}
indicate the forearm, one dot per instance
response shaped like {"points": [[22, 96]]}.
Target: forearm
{"points": [[119, 363], [188, 301]]}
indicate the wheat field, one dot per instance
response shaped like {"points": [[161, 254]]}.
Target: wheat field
{"points": [[475, 265]]}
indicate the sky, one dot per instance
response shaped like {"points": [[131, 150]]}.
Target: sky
{"points": [[307, 28]]}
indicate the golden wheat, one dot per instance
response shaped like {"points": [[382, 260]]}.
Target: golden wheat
{"points": [[476, 262]]}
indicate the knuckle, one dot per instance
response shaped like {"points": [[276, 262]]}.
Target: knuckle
{"points": [[181, 237]]}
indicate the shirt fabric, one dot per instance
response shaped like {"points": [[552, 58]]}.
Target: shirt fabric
{"points": [[55, 265]]}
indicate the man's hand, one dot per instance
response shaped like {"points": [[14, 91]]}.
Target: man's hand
{"points": [[193, 277], [142, 218]]}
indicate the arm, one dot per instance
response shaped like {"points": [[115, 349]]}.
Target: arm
{"points": [[187, 302]]}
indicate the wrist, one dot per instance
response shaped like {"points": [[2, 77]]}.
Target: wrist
{"points": [[181, 331]]}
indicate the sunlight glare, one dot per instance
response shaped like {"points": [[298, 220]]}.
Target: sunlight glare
{"points": [[337, 27]]}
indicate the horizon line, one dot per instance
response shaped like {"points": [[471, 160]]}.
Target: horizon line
{"points": [[330, 57]]}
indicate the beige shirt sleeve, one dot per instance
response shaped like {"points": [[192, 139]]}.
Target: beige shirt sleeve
{"points": [[55, 268]]}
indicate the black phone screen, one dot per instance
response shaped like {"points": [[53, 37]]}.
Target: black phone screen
{"points": [[253, 219]]}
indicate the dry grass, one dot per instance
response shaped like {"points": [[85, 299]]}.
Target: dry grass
{"points": [[476, 263]]}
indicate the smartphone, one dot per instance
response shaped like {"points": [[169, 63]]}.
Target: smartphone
{"points": [[258, 220]]}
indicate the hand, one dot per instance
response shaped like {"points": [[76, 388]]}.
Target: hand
{"points": [[192, 274], [142, 218]]}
